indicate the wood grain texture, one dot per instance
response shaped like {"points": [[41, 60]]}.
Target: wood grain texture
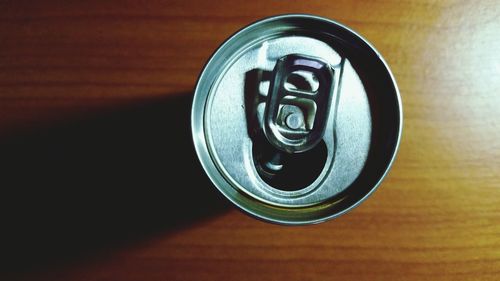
{"points": [[435, 217]]}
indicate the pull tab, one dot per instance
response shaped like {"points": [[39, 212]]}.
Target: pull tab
{"points": [[298, 103]]}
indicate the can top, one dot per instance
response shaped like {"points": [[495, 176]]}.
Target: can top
{"points": [[296, 119]]}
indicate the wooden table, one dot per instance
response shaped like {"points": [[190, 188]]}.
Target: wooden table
{"points": [[94, 110]]}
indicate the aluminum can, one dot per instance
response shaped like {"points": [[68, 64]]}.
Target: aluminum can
{"points": [[296, 119]]}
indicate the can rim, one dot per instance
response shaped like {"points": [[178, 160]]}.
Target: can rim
{"points": [[199, 139]]}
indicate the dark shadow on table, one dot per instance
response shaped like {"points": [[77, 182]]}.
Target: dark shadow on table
{"points": [[84, 187]]}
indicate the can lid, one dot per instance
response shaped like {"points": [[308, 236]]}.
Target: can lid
{"points": [[296, 119]]}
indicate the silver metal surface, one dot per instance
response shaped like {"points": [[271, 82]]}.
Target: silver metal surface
{"points": [[295, 120], [230, 104], [290, 90]]}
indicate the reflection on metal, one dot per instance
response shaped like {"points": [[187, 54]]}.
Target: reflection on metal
{"points": [[296, 124], [296, 113]]}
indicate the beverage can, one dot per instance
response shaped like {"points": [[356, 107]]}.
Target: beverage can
{"points": [[296, 119]]}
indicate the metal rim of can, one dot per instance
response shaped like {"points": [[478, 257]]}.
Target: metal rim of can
{"points": [[262, 210]]}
